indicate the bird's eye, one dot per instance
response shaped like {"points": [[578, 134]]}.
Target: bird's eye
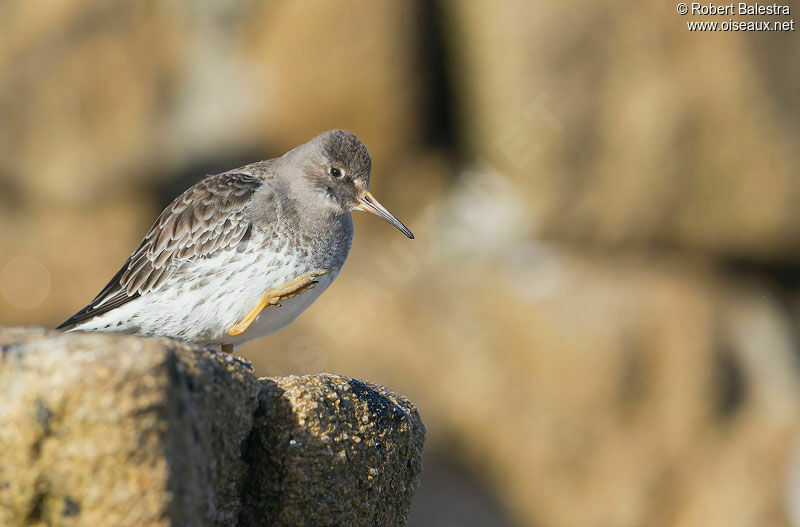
{"points": [[335, 172]]}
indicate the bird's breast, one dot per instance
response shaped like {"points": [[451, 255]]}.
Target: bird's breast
{"points": [[315, 244]]}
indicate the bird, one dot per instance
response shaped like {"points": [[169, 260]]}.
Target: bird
{"points": [[241, 254]]}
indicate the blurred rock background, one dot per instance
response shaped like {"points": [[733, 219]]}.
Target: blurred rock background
{"points": [[598, 317]]}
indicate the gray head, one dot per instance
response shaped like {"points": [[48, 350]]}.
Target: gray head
{"points": [[335, 169]]}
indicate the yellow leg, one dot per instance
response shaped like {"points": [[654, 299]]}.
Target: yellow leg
{"points": [[274, 295]]}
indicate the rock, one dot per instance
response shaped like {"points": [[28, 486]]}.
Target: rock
{"points": [[103, 429], [119, 430], [621, 134], [338, 438]]}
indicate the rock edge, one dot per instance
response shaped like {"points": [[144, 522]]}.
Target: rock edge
{"points": [[102, 429]]}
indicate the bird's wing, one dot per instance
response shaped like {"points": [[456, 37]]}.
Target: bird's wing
{"points": [[207, 218]]}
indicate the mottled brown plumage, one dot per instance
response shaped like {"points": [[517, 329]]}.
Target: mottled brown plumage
{"points": [[206, 218]]}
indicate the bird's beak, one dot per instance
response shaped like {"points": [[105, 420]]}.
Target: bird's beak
{"points": [[368, 203]]}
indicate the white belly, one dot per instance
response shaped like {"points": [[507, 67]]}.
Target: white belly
{"points": [[212, 294], [275, 318]]}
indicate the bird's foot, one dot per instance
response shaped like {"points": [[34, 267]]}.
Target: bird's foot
{"points": [[227, 348], [274, 295]]}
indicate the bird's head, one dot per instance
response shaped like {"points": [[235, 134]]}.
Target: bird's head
{"points": [[336, 168]]}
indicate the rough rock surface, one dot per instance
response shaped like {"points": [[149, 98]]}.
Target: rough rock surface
{"points": [[106, 430], [355, 437], [119, 430]]}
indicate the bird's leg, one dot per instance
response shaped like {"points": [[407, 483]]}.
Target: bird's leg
{"points": [[227, 348], [274, 295]]}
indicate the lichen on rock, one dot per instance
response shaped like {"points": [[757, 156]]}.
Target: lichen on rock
{"points": [[359, 438]]}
